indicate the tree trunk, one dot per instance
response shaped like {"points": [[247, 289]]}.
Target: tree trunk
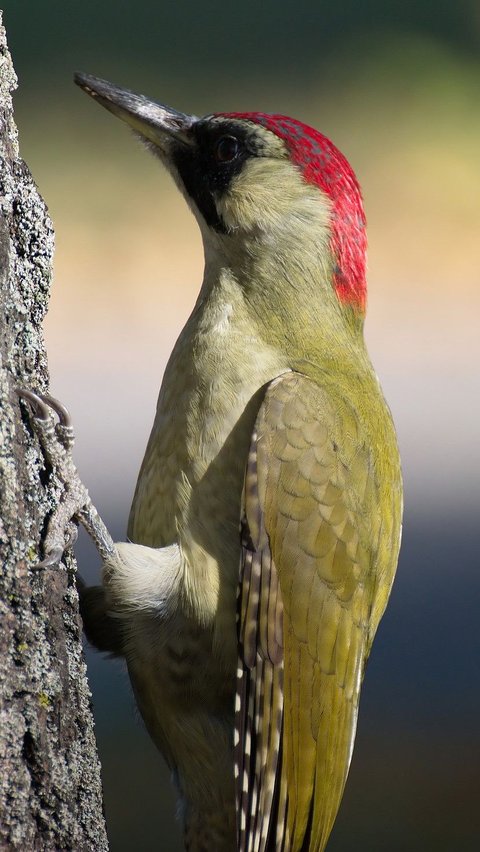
{"points": [[50, 789]]}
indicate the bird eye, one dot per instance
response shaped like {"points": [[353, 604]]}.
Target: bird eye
{"points": [[227, 149]]}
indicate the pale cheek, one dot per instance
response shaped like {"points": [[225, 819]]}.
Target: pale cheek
{"points": [[258, 208]]}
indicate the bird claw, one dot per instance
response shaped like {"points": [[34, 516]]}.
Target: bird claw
{"points": [[43, 405], [56, 437], [52, 558]]}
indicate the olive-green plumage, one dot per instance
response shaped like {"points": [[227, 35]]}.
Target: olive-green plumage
{"points": [[329, 499], [266, 519]]}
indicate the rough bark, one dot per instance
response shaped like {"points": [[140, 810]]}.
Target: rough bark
{"points": [[50, 789]]}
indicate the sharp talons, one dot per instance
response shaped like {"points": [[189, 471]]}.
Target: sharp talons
{"points": [[52, 558], [40, 408], [56, 437], [43, 404], [62, 413]]}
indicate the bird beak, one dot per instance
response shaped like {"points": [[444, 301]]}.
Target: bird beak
{"points": [[153, 121]]}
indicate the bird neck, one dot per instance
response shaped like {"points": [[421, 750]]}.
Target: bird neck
{"points": [[286, 290]]}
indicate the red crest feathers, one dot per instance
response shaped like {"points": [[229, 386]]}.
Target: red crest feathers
{"points": [[323, 165]]}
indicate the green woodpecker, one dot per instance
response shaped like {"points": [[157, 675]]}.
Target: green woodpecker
{"points": [[265, 527]]}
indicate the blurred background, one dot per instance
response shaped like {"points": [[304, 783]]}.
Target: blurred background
{"points": [[396, 86]]}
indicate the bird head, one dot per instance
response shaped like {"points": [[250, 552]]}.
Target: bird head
{"points": [[261, 186]]}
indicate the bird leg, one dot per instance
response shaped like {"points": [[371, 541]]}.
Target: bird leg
{"points": [[135, 579], [52, 423]]}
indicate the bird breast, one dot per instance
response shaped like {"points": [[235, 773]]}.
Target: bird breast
{"points": [[190, 485]]}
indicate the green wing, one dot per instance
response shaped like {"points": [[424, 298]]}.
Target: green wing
{"points": [[320, 538]]}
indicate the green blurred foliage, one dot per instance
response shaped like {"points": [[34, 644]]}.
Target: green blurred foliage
{"points": [[276, 38]]}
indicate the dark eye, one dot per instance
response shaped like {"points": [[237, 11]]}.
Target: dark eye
{"points": [[226, 149]]}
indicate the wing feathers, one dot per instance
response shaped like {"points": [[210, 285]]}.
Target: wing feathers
{"points": [[310, 532]]}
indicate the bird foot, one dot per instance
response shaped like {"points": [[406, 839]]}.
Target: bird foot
{"points": [[52, 423]]}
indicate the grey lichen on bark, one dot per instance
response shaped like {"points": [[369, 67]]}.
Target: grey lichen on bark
{"points": [[50, 788]]}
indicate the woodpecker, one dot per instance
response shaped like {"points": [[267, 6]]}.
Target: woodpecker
{"points": [[265, 527]]}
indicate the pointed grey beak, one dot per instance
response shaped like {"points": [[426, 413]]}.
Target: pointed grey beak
{"points": [[155, 122]]}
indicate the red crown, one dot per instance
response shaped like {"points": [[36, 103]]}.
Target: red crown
{"points": [[323, 165]]}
